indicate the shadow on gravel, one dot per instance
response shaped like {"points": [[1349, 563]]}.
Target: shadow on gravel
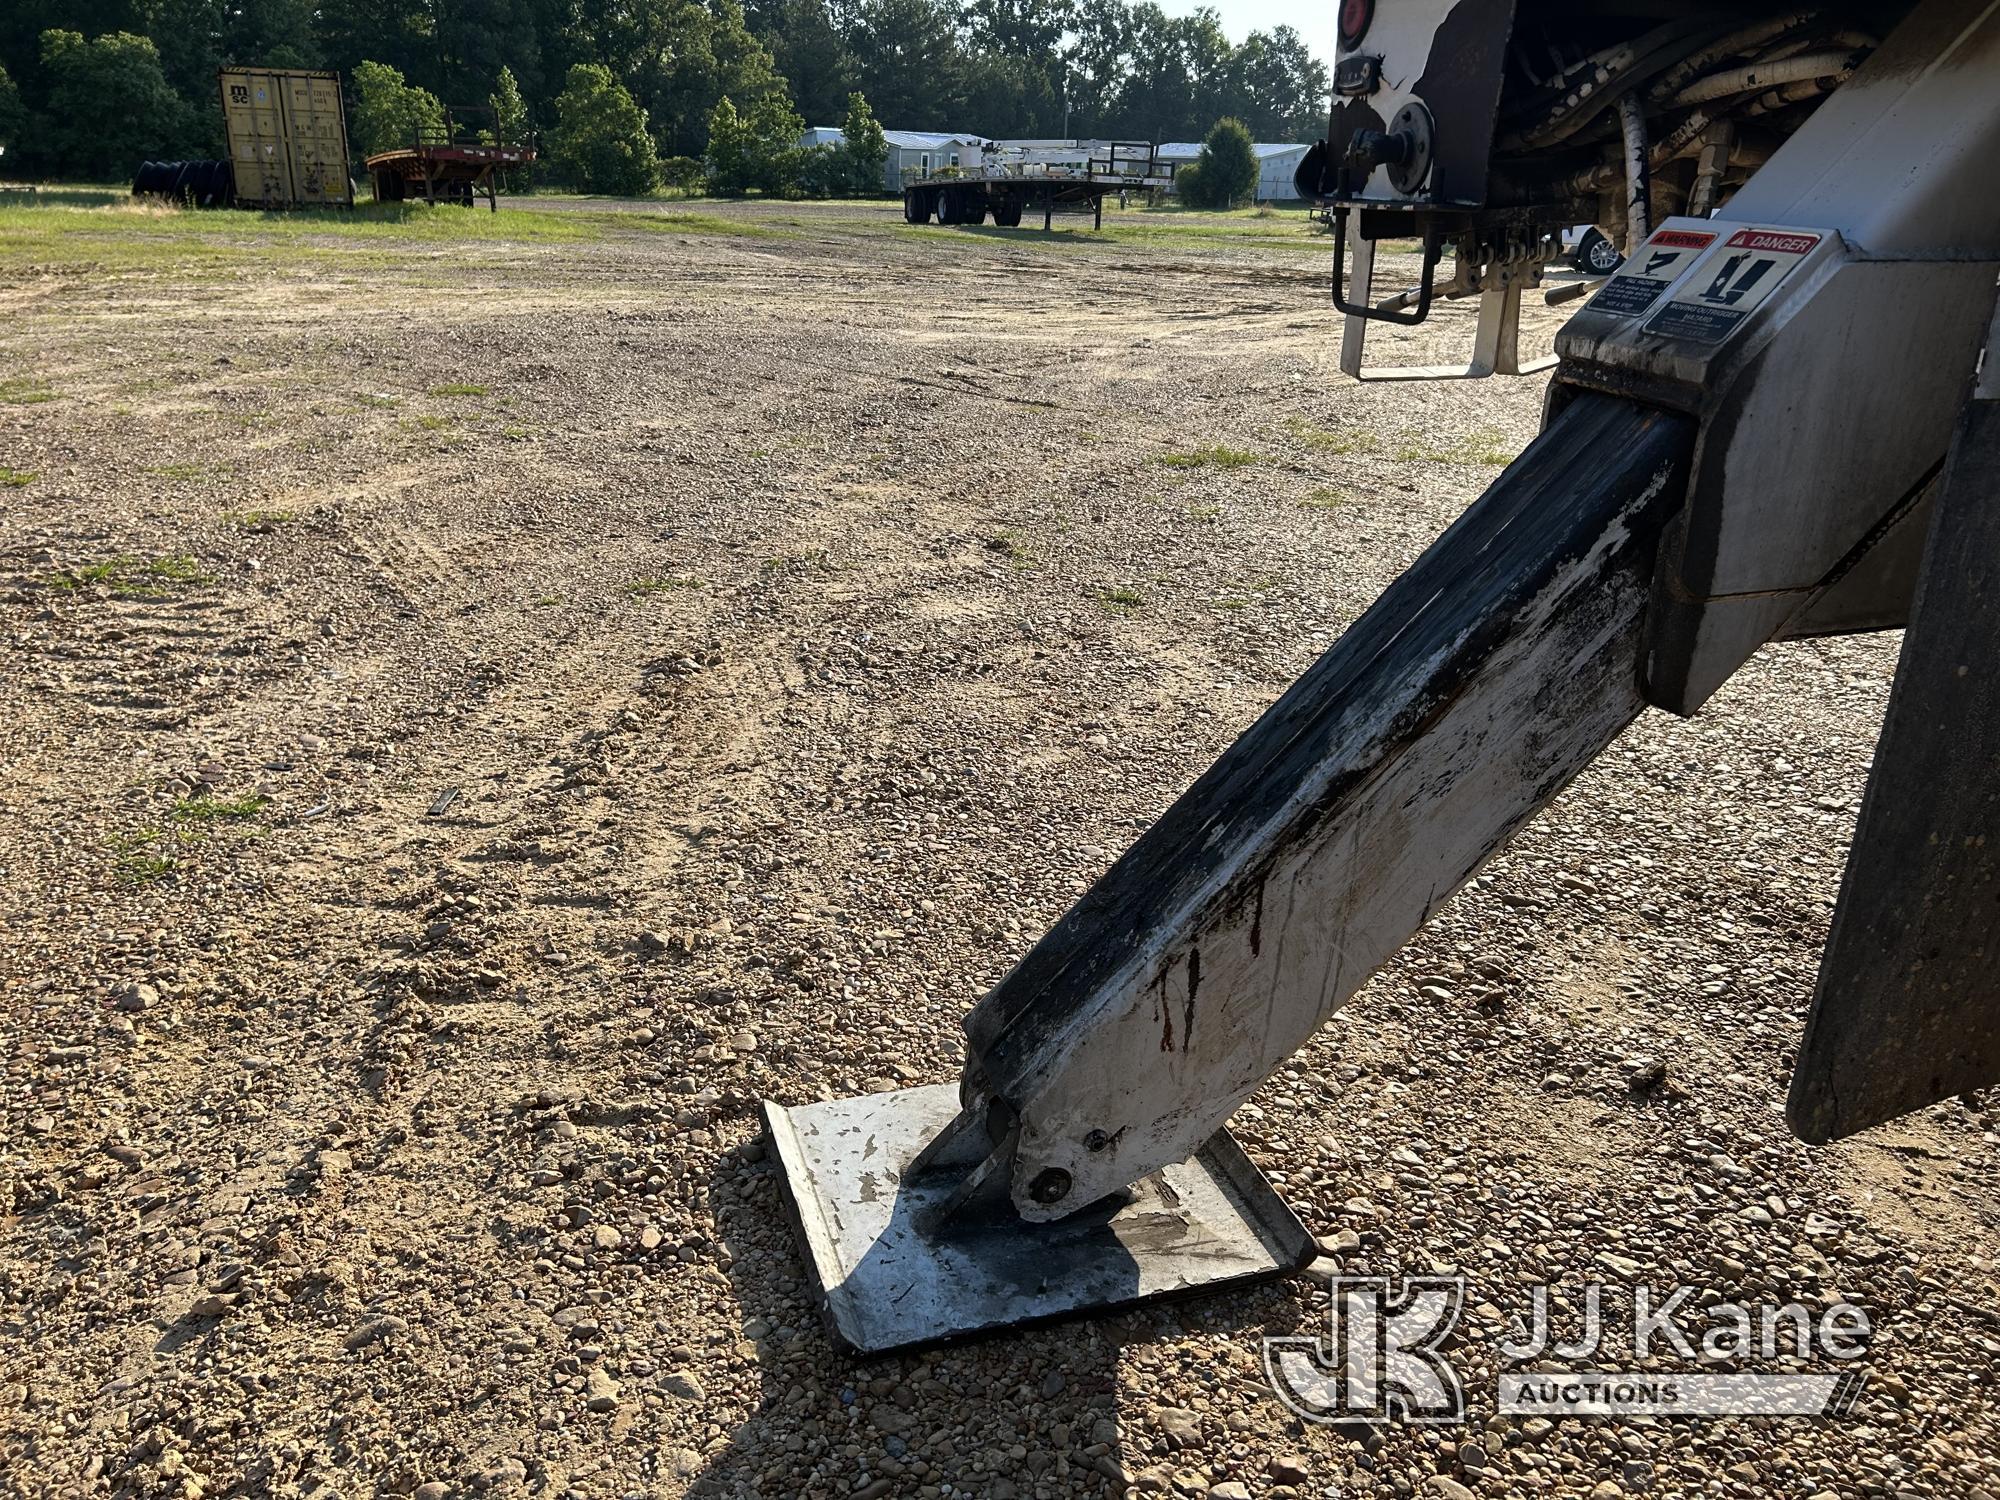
{"points": [[1054, 1407], [995, 1417], [1059, 236]]}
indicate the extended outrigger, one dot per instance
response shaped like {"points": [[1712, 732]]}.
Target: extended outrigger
{"points": [[1780, 418]]}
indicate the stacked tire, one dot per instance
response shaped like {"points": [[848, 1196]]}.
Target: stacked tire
{"points": [[199, 184]]}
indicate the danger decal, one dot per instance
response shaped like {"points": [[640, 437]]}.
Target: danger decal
{"points": [[1732, 283]]}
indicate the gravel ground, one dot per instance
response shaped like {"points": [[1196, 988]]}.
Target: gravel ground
{"points": [[477, 719]]}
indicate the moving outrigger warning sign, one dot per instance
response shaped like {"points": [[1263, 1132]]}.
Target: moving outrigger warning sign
{"points": [[1731, 283]]}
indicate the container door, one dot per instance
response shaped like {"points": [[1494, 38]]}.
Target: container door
{"points": [[253, 115], [318, 135]]}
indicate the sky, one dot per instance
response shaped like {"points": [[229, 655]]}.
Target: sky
{"points": [[1312, 19]]}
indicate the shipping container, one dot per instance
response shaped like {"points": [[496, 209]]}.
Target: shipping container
{"points": [[287, 134]]}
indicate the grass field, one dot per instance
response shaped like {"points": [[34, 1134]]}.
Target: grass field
{"points": [[99, 229]]}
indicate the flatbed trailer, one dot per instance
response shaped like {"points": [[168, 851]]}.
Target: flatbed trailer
{"points": [[437, 167], [1007, 192]]}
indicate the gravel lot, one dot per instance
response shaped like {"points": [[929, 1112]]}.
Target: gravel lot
{"points": [[479, 715]]}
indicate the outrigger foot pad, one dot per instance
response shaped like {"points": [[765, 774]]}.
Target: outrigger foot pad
{"points": [[896, 1272]]}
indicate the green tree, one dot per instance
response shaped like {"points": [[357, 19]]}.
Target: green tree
{"points": [[510, 110], [775, 128], [682, 174], [679, 57], [510, 124], [388, 113], [823, 172], [270, 33], [909, 62], [1006, 95], [472, 40], [601, 143], [864, 150], [395, 33], [1100, 58], [1225, 174], [809, 53], [13, 118], [1205, 57], [108, 107], [1020, 28], [755, 149], [728, 150], [1279, 88]]}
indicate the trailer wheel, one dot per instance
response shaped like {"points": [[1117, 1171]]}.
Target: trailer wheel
{"points": [[947, 206], [915, 209], [972, 209], [1007, 212]]}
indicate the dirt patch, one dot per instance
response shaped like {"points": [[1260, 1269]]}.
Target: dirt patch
{"points": [[475, 724]]}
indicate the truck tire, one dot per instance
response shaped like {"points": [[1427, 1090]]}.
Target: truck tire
{"points": [[915, 209], [947, 205], [972, 206], [1007, 211], [1595, 255]]}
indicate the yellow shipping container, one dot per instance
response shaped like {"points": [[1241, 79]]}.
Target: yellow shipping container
{"points": [[287, 134]]}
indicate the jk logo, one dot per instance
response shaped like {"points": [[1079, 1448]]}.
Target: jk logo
{"points": [[1380, 1359]]}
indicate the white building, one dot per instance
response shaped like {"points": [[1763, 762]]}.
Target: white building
{"points": [[912, 153], [1276, 165]]}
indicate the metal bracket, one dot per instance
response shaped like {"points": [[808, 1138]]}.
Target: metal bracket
{"points": [[1907, 1009], [1496, 340], [905, 1249], [1363, 307]]}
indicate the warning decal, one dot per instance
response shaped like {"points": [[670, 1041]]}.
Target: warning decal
{"points": [[1732, 283], [1636, 285]]}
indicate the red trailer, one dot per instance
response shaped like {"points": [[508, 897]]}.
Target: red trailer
{"points": [[438, 166]]}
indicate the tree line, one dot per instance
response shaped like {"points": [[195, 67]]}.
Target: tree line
{"points": [[645, 90]]}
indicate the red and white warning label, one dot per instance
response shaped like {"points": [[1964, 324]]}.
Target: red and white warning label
{"points": [[1732, 282], [1637, 284]]}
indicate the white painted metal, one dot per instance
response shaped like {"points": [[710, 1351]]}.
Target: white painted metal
{"points": [[1402, 35], [1157, 1070], [1496, 338], [1838, 398]]}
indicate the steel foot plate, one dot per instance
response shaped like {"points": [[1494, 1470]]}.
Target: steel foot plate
{"points": [[1206, 1223]]}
